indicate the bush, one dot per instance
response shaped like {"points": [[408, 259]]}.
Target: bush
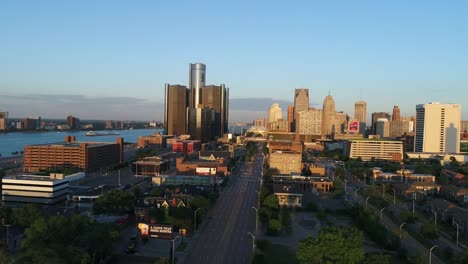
{"points": [[274, 227]]}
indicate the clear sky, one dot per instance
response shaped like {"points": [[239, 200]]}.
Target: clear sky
{"points": [[110, 59]]}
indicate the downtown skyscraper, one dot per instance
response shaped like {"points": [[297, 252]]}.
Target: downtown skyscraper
{"points": [[438, 128], [201, 111]]}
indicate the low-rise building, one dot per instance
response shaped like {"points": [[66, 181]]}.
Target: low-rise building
{"points": [[286, 162], [416, 190], [85, 156], [151, 166], [186, 146], [156, 140], [373, 149], [34, 189], [203, 167], [400, 176], [455, 194]]}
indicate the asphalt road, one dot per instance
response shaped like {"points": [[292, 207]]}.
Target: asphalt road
{"points": [[225, 237]]}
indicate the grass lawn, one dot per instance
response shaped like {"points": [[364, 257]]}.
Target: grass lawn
{"points": [[276, 254]]}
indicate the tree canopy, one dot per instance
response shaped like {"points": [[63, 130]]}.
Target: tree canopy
{"points": [[114, 202], [332, 245]]}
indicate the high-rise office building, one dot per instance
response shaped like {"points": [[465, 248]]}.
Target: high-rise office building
{"points": [[197, 81], [341, 122], [73, 122], [109, 124], [175, 114], [301, 101], [438, 128], [399, 128], [309, 122], [396, 113], [201, 111], [3, 121], [328, 116], [291, 117], [360, 114], [274, 113], [377, 115], [382, 128], [214, 97]]}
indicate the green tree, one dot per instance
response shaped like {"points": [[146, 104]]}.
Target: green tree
{"points": [[429, 230], [60, 239], [332, 245], [26, 215], [377, 259], [114, 202], [271, 201], [274, 227], [201, 202]]}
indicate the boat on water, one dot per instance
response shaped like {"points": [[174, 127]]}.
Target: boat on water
{"points": [[93, 133]]}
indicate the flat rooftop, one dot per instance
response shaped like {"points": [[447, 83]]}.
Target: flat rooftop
{"points": [[73, 144]]}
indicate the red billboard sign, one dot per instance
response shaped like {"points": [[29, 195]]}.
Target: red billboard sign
{"points": [[353, 126]]}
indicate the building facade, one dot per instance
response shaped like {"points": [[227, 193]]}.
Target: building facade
{"points": [[382, 128], [274, 113], [3, 121], [286, 162], [374, 149], [73, 122], [85, 156], [396, 113], [360, 114], [175, 118], [201, 111], [301, 101], [279, 125], [377, 115], [34, 189], [309, 122], [438, 128], [328, 116]]}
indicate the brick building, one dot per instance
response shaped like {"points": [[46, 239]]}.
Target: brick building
{"points": [[86, 156]]}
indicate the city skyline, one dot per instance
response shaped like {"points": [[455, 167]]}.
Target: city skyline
{"points": [[113, 60]]}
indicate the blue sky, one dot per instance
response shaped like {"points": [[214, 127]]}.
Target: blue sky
{"points": [[386, 53]]}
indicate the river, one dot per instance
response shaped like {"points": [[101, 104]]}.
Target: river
{"points": [[15, 141]]}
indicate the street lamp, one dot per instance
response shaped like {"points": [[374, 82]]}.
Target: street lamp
{"points": [[383, 191], [435, 217], [173, 242], [381, 211], [195, 219], [119, 177], [401, 226], [256, 219], [345, 181], [253, 241], [355, 193], [413, 205], [394, 195], [367, 200], [457, 231], [430, 253]]}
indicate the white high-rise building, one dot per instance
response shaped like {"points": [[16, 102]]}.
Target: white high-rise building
{"points": [[438, 128], [274, 113]]}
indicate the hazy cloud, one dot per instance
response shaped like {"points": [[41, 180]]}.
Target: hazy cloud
{"points": [[118, 108], [83, 107]]}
